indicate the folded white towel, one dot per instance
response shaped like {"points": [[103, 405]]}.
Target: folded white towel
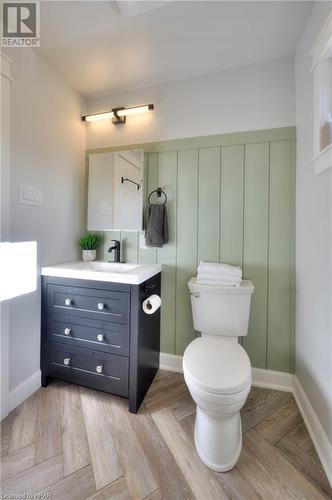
{"points": [[219, 268], [218, 283], [218, 277]]}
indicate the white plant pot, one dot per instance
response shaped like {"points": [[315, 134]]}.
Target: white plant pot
{"points": [[89, 255]]}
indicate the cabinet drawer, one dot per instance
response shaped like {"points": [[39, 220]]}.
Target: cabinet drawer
{"points": [[96, 369], [89, 302], [89, 333]]}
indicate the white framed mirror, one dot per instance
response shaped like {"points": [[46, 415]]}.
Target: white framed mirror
{"points": [[115, 191]]}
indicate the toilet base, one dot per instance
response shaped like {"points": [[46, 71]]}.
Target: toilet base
{"points": [[218, 439]]}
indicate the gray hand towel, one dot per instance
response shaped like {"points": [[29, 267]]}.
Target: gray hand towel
{"points": [[157, 227]]}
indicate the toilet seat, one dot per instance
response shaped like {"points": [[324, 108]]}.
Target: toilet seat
{"points": [[217, 366]]}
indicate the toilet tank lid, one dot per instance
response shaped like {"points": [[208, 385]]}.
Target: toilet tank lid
{"points": [[246, 288]]}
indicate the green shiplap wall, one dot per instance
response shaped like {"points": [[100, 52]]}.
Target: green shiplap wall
{"points": [[230, 199]]}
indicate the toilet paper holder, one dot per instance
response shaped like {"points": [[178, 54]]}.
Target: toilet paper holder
{"points": [[151, 304]]}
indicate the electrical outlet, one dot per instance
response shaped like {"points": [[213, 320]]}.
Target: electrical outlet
{"points": [[30, 195]]}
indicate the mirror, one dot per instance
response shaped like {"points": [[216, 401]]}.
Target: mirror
{"points": [[115, 191]]}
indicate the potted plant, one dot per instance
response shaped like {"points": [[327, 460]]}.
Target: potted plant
{"points": [[89, 243]]}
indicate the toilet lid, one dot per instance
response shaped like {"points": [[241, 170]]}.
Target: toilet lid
{"points": [[217, 365]]}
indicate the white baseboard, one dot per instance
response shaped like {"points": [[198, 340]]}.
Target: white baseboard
{"points": [[170, 362], [315, 429], [260, 378], [269, 379], [24, 390]]}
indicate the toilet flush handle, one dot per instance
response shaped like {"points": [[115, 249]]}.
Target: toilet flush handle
{"points": [[197, 295]]}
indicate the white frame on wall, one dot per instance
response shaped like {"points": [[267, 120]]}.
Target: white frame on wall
{"points": [[322, 159]]}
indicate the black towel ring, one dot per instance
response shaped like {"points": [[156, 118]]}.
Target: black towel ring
{"points": [[159, 192]]}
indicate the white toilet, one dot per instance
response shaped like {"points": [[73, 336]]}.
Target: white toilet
{"points": [[217, 370]]}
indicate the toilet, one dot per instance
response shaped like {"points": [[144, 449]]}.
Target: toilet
{"points": [[217, 370]]}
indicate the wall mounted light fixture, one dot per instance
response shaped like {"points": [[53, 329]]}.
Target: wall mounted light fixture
{"points": [[118, 115]]}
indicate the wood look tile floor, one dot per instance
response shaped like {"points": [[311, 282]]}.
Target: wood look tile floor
{"points": [[72, 443]]}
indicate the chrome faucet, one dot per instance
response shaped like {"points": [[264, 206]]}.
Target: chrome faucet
{"points": [[117, 250]]}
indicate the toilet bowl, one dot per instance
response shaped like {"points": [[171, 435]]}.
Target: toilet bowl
{"points": [[218, 375], [217, 371]]}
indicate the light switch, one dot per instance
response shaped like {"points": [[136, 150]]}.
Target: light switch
{"points": [[30, 195]]}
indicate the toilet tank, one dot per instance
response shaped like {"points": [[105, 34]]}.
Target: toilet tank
{"points": [[221, 310]]}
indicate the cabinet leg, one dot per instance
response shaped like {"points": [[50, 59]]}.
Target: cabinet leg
{"points": [[44, 380], [133, 405]]}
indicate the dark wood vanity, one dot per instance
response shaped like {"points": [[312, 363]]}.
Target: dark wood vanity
{"points": [[96, 334]]}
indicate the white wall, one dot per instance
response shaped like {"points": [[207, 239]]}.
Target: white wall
{"points": [[47, 142], [313, 242], [254, 97]]}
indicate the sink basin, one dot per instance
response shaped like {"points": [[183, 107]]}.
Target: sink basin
{"points": [[108, 267], [112, 272]]}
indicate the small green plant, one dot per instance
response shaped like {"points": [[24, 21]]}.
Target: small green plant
{"points": [[89, 241]]}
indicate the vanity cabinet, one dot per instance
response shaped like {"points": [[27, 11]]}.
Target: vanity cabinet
{"points": [[96, 334]]}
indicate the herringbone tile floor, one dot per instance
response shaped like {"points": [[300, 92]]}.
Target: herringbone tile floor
{"points": [[69, 442]]}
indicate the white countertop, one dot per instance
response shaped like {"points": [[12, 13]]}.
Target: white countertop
{"points": [[132, 274]]}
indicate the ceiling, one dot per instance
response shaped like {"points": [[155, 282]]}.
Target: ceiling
{"points": [[105, 47]]}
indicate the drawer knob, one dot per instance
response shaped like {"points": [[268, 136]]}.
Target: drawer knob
{"points": [[68, 302], [67, 331], [66, 361], [100, 337], [99, 369], [100, 306]]}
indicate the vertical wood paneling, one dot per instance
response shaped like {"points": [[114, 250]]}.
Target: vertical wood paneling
{"points": [[129, 245], [209, 204], [145, 182], [167, 180], [149, 256], [235, 209], [279, 292], [141, 255], [231, 227], [256, 204], [186, 261]]}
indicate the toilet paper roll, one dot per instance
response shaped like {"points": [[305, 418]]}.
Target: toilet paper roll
{"points": [[151, 304]]}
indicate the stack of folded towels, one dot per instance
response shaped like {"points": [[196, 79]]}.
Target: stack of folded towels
{"points": [[213, 273]]}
